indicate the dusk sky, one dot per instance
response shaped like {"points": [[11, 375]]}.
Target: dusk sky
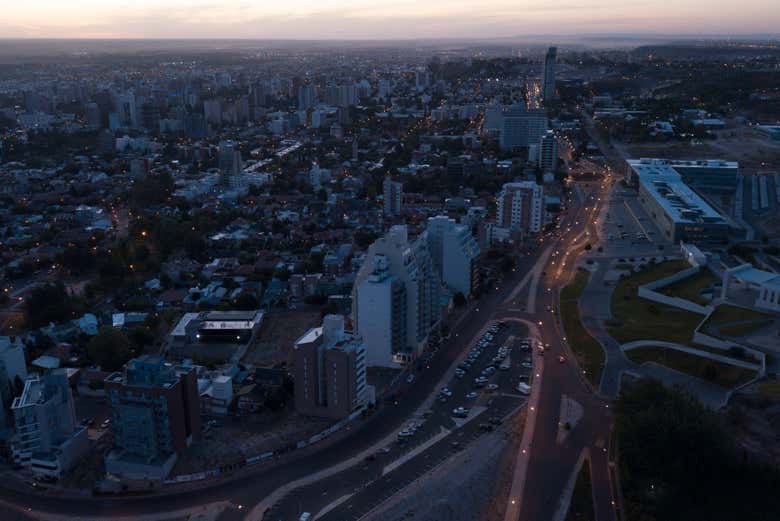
{"points": [[371, 19]]}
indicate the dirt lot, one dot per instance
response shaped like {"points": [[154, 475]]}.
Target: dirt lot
{"points": [[752, 151], [277, 334], [236, 439], [755, 419]]}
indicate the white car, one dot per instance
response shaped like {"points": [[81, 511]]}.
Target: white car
{"points": [[524, 388], [460, 412]]}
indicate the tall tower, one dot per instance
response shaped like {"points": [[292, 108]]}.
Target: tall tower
{"points": [[548, 88]]}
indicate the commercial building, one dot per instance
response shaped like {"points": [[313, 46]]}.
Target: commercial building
{"points": [[48, 439], [548, 84], [522, 127], [752, 287], [330, 371], [455, 254], [709, 174], [520, 207], [393, 192], [396, 298], [679, 212], [155, 414], [214, 334]]}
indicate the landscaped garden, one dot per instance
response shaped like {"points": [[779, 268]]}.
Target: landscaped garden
{"points": [[635, 318]]}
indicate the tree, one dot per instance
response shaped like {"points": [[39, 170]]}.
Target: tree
{"points": [[48, 303], [679, 461], [110, 348]]}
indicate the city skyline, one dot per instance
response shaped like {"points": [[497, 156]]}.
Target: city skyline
{"points": [[395, 19]]}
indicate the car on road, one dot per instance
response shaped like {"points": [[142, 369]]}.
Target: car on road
{"points": [[561, 359], [460, 412], [405, 434], [480, 381], [446, 391], [105, 423], [527, 365]]}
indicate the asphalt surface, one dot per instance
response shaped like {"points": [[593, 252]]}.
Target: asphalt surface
{"points": [[247, 489], [366, 482]]}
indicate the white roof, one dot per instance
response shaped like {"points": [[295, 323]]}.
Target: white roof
{"points": [[748, 273]]}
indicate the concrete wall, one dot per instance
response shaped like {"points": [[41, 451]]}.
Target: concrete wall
{"points": [[648, 292]]}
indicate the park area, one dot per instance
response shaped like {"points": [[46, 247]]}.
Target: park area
{"points": [[635, 318], [735, 321], [717, 372], [694, 288], [588, 351]]}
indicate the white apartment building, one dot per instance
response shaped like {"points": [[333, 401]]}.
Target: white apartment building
{"points": [[455, 254], [520, 207], [48, 440], [396, 298]]}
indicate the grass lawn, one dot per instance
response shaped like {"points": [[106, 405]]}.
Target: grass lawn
{"points": [[690, 288], [581, 507], [589, 352], [770, 387], [634, 318], [745, 321], [726, 313], [745, 328], [720, 373]]}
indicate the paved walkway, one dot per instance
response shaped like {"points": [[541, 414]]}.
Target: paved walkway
{"points": [[594, 306]]}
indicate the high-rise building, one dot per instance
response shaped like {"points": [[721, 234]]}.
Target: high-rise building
{"points": [[396, 298], [155, 414], [12, 365], [548, 151], [126, 110], [548, 85], [92, 115], [393, 194], [522, 127], [48, 439], [520, 207], [229, 163], [305, 97], [212, 112], [330, 371], [455, 254]]}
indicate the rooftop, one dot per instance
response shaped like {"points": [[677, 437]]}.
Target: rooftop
{"points": [[678, 200]]}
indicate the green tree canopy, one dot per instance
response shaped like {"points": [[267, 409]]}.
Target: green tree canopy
{"points": [[110, 348]]}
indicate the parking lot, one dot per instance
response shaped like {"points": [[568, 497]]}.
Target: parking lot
{"points": [[627, 229]]}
